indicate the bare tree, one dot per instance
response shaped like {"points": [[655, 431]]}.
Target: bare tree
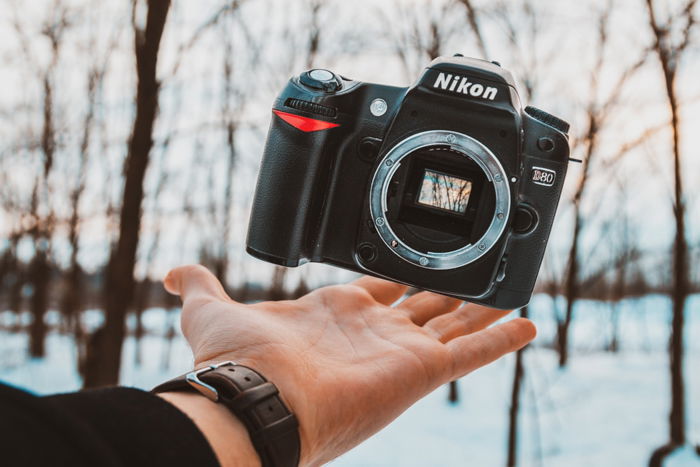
{"points": [[422, 32], [625, 255], [671, 38], [142, 294], [13, 273], [104, 352], [73, 291], [598, 111], [53, 29], [474, 21], [232, 108], [314, 29], [9, 263], [522, 26], [514, 410]]}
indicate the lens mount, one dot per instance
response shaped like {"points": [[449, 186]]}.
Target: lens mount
{"points": [[468, 147]]}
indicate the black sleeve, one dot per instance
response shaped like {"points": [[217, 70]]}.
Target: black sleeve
{"points": [[103, 427]]}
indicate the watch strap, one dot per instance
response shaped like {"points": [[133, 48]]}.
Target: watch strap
{"points": [[256, 402]]}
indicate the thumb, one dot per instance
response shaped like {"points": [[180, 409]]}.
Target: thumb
{"points": [[194, 282]]}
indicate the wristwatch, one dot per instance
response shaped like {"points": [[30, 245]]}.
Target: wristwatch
{"points": [[273, 428]]}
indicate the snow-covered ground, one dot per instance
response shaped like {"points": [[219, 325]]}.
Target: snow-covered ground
{"points": [[603, 410]]}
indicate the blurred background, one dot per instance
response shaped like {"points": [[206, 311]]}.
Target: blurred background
{"points": [[130, 138]]}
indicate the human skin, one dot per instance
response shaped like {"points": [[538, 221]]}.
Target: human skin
{"points": [[346, 360]]}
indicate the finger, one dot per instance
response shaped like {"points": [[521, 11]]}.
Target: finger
{"points": [[424, 306], [381, 290], [481, 348], [467, 319], [194, 281]]}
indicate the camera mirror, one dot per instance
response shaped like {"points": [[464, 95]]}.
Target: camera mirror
{"points": [[444, 192], [436, 198]]}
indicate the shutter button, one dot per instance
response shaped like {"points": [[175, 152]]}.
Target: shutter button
{"points": [[321, 79]]}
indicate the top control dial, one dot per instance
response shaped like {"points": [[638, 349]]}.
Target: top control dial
{"points": [[320, 79]]}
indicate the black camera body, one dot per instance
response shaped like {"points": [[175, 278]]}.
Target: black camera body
{"points": [[448, 185]]}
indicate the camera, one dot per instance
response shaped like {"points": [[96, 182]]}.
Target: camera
{"points": [[448, 185]]}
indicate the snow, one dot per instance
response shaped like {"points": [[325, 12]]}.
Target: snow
{"points": [[605, 409]]}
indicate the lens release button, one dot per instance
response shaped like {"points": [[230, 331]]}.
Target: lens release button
{"points": [[524, 221]]}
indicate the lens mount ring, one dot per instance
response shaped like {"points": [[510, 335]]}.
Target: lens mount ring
{"points": [[462, 144]]}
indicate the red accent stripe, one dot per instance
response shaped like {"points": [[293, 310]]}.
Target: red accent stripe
{"points": [[304, 123]]}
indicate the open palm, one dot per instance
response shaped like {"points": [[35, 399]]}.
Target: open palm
{"points": [[346, 361]]}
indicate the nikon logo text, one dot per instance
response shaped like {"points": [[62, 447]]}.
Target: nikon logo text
{"points": [[462, 85]]}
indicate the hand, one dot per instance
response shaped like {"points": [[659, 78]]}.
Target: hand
{"points": [[345, 360]]}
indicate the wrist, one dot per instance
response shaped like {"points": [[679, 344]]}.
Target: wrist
{"points": [[225, 433], [252, 401], [292, 394]]}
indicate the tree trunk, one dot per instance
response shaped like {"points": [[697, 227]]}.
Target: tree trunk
{"points": [[39, 278], [15, 299], [518, 376], [614, 344], [104, 356], [231, 126], [619, 291], [453, 394], [171, 320], [276, 291], [679, 290], [39, 273], [141, 300], [8, 259], [301, 290], [571, 293], [680, 284], [12, 270], [72, 291], [669, 56], [71, 302], [572, 285]]}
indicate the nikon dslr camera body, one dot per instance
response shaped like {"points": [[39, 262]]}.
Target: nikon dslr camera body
{"points": [[448, 185]]}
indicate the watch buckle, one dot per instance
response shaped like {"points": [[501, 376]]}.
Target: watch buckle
{"points": [[205, 389]]}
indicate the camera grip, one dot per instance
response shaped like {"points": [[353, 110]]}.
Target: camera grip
{"points": [[284, 211], [526, 250]]}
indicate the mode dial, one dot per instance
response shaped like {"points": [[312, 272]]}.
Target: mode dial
{"points": [[549, 119], [321, 79]]}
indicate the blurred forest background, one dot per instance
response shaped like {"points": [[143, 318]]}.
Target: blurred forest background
{"points": [[131, 134]]}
